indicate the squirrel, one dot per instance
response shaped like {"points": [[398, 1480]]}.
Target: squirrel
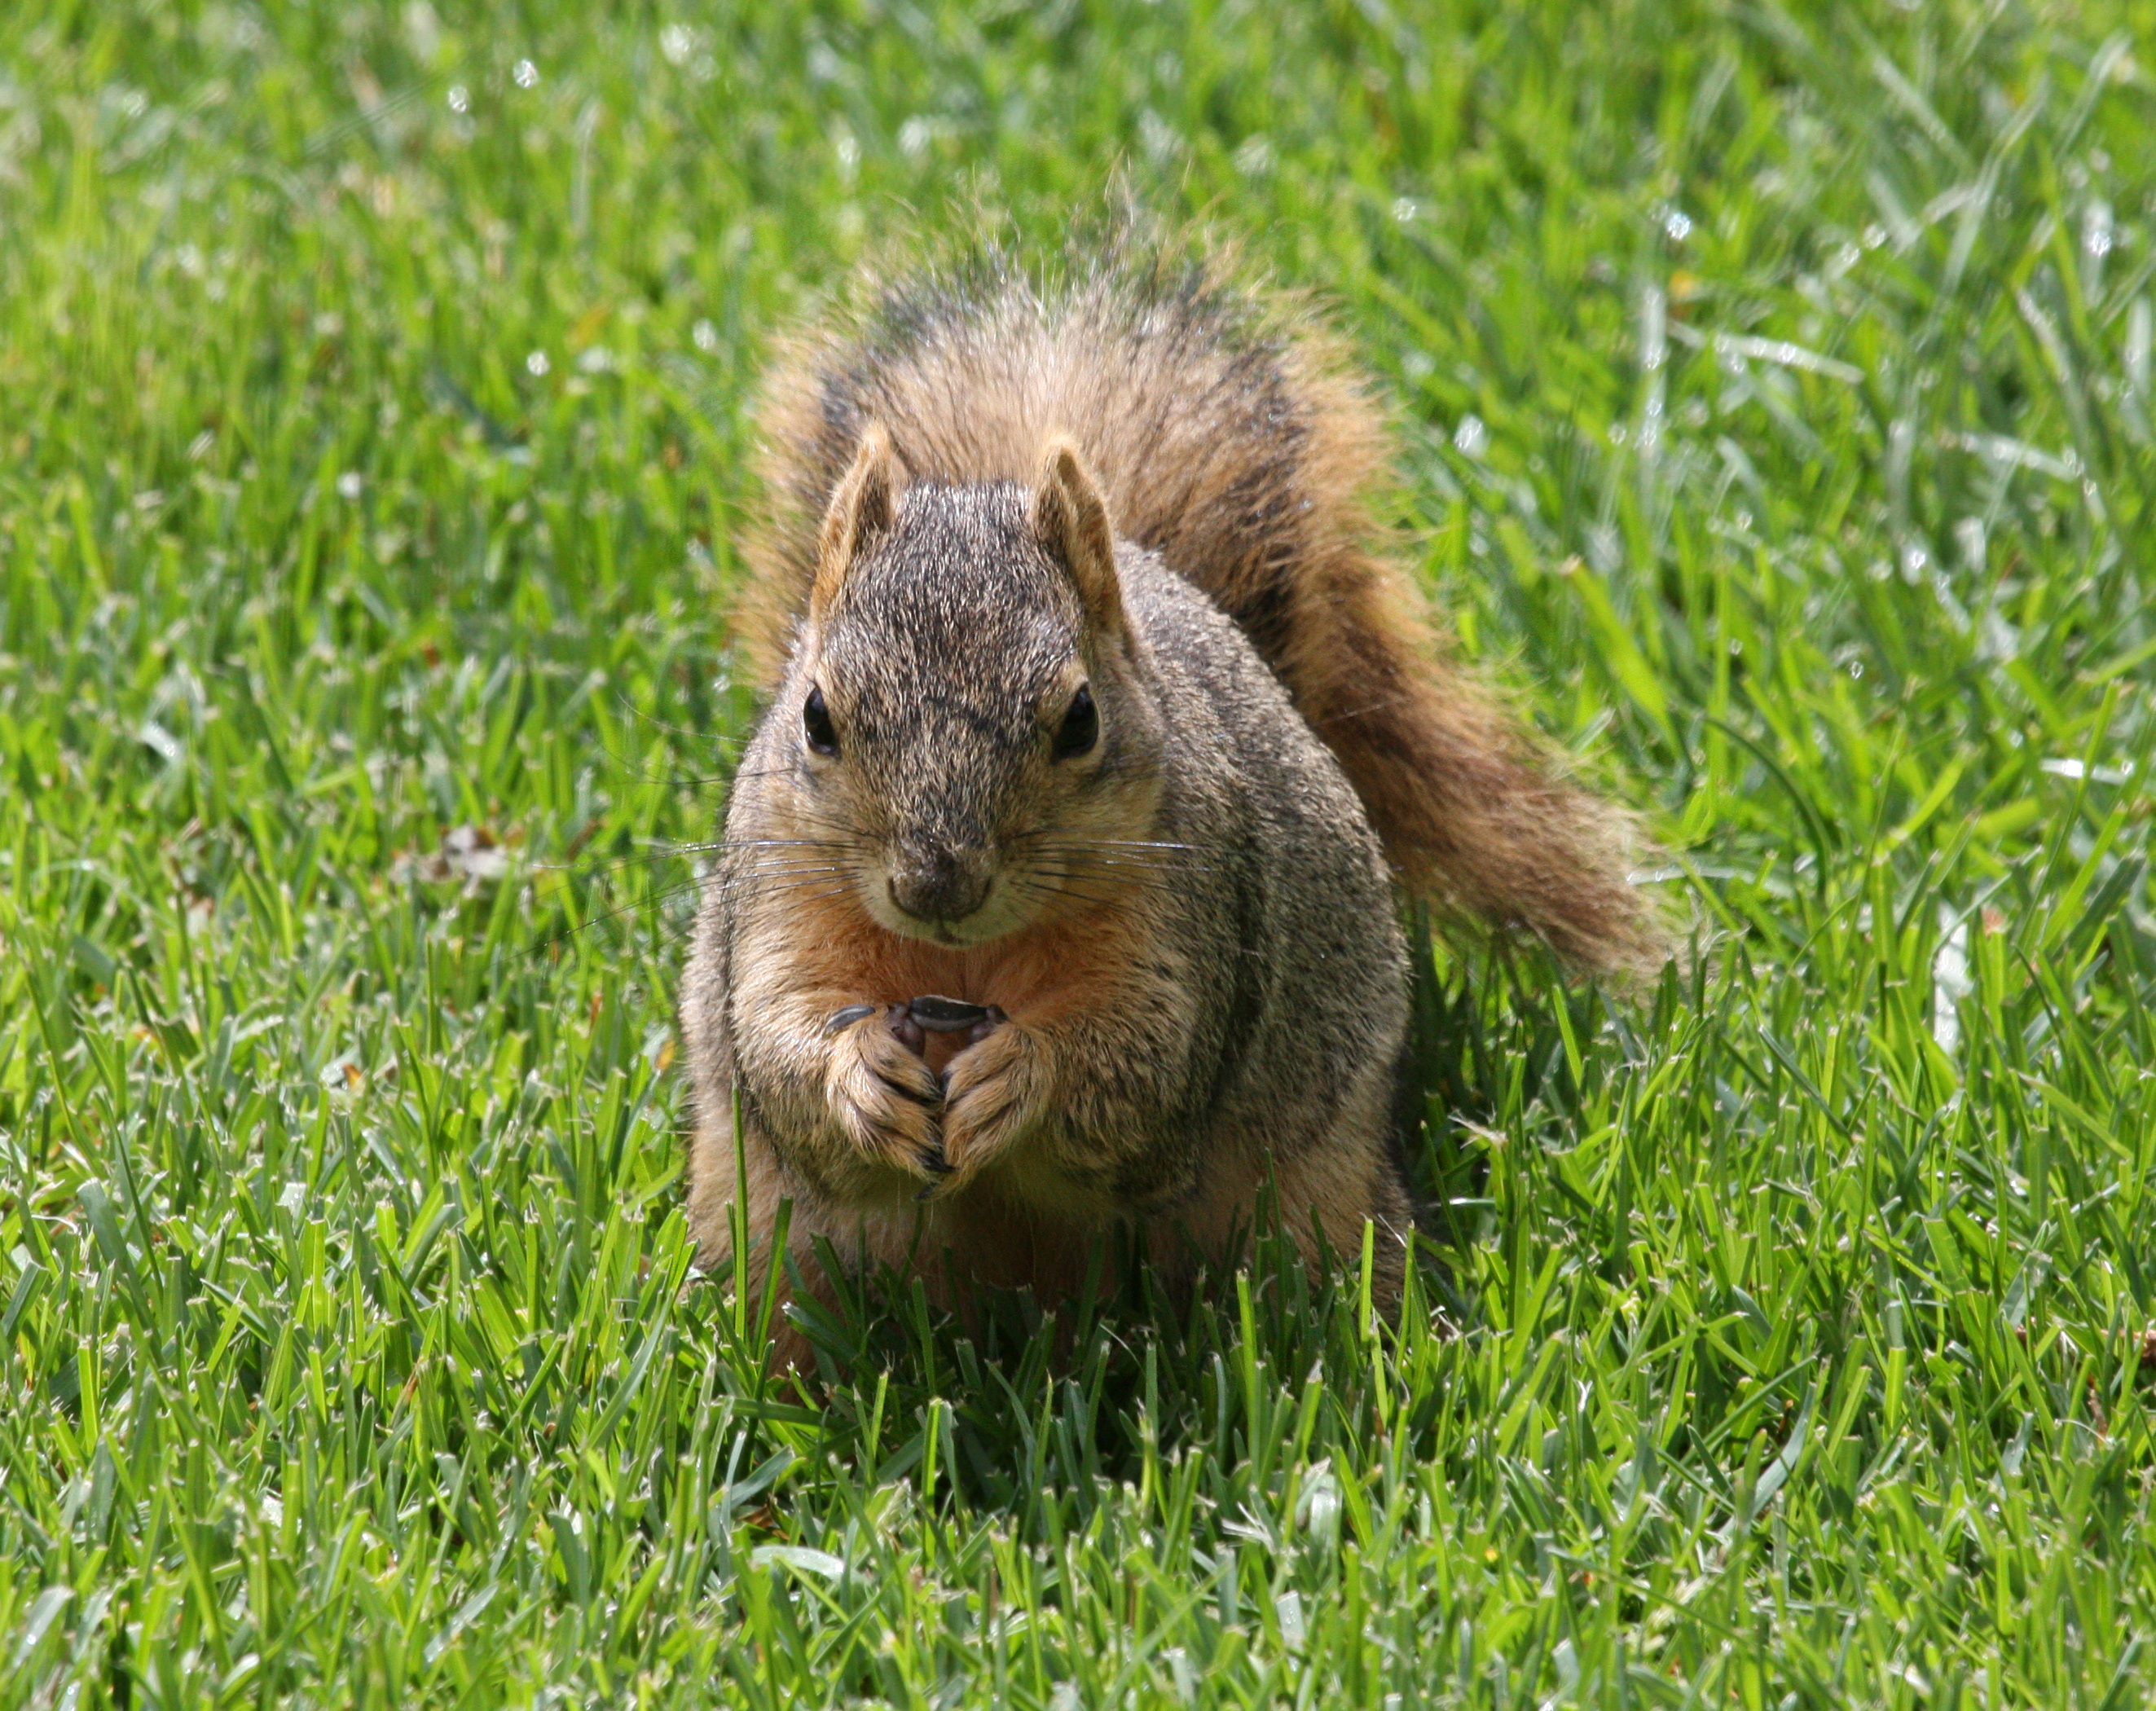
{"points": [[1058, 887]]}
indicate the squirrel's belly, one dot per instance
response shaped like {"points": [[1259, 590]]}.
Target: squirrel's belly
{"points": [[1027, 1224]]}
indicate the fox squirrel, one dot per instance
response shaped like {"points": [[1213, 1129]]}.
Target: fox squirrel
{"points": [[1100, 725]]}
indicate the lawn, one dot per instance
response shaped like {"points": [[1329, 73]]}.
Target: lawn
{"points": [[1776, 408]]}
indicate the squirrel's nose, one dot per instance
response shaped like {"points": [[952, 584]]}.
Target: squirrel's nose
{"points": [[937, 882]]}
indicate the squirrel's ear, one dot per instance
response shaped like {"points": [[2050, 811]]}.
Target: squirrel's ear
{"points": [[1070, 519], [863, 507]]}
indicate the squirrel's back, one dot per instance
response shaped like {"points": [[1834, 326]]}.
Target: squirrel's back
{"points": [[1230, 439]]}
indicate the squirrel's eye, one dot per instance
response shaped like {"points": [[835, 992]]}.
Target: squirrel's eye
{"points": [[816, 722], [1081, 729]]}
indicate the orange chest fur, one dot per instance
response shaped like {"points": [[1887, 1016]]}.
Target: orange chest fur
{"points": [[1034, 974]]}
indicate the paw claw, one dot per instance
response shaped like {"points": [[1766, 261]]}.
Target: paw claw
{"points": [[995, 1091], [843, 1020], [885, 1097]]}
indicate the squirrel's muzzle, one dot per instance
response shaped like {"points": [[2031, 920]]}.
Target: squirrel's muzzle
{"points": [[937, 883]]}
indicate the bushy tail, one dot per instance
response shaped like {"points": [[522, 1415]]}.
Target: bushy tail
{"points": [[1230, 439]]}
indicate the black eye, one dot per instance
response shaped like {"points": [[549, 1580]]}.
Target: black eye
{"points": [[816, 721], [1080, 729]]}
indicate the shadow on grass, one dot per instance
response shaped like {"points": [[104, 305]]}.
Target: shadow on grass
{"points": [[1008, 1402]]}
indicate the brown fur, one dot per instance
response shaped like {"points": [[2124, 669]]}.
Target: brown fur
{"points": [[1232, 440], [1056, 599]]}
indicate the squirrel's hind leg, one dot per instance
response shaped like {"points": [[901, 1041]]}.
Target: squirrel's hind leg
{"points": [[1325, 1191], [1328, 1194]]}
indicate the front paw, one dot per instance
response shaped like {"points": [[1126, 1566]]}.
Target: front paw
{"points": [[884, 1097], [995, 1093]]}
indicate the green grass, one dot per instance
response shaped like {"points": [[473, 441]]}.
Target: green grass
{"points": [[1776, 400]]}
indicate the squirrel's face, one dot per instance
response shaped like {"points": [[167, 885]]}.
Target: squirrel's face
{"points": [[966, 734]]}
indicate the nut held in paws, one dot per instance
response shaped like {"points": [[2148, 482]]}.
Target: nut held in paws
{"points": [[951, 1015]]}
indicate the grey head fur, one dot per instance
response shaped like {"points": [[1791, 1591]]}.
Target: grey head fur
{"points": [[947, 664]]}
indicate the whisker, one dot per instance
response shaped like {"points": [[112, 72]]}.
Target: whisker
{"points": [[806, 870], [808, 890], [601, 919], [1109, 885], [769, 771], [826, 823], [676, 851], [720, 738], [778, 885], [1116, 871], [766, 880], [1106, 843], [1107, 863], [1111, 865], [645, 859], [1091, 861], [793, 877], [1079, 893], [824, 897]]}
